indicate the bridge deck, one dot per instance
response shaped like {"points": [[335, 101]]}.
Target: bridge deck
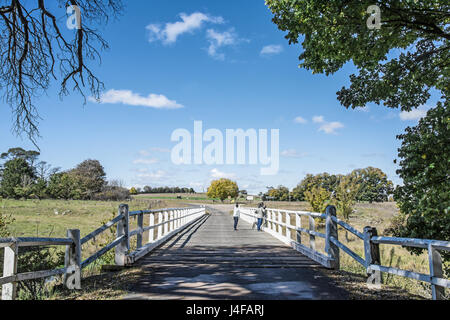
{"points": [[211, 261]]}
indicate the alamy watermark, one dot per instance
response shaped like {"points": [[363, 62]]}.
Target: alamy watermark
{"points": [[374, 21], [210, 147], [74, 19]]}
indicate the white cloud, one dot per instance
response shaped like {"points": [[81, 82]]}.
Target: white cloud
{"points": [[146, 161], [331, 127], [318, 119], [300, 120], [215, 173], [157, 175], [218, 40], [415, 114], [271, 49], [172, 31], [327, 127], [127, 97], [292, 153]]}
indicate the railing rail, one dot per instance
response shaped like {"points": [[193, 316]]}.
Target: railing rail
{"points": [[277, 219], [170, 222]]}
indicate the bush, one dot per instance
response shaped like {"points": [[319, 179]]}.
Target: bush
{"points": [[37, 259], [112, 194]]}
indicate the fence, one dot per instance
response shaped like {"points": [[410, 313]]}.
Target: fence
{"points": [[169, 223], [277, 219]]}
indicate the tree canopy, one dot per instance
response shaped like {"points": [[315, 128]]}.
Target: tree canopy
{"points": [[399, 64], [424, 199], [222, 189]]}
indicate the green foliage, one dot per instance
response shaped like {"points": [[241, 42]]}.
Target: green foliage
{"points": [[374, 185], [318, 198], [345, 196], [37, 259], [399, 64], [66, 186], [91, 175], [424, 199], [279, 194], [323, 180], [17, 175], [222, 189], [133, 191]]}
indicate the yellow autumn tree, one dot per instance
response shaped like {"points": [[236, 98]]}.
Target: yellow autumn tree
{"points": [[222, 189]]}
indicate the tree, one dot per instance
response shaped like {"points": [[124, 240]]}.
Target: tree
{"points": [[66, 186], [345, 196], [222, 189], [280, 194], [91, 175], [28, 155], [16, 173], [324, 180], [335, 32], [424, 199], [374, 184], [35, 47], [318, 198], [133, 191]]}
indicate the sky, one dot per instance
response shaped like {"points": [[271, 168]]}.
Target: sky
{"points": [[224, 63]]}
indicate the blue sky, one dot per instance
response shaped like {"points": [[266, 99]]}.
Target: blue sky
{"points": [[224, 63]]}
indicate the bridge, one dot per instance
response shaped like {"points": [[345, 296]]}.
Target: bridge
{"points": [[194, 253]]}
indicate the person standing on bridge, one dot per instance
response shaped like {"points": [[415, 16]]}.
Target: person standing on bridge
{"points": [[260, 215], [236, 215]]}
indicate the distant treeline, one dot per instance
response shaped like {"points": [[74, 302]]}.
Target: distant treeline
{"points": [[369, 184], [22, 176], [148, 189]]}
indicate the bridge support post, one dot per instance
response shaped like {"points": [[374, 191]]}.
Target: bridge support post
{"points": [[372, 256], [331, 231], [72, 261], [122, 230], [9, 290]]}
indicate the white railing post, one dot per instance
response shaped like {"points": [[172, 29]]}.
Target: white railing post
{"points": [[123, 247], [9, 290], [166, 224], [140, 225], [372, 256], [435, 261], [331, 230], [312, 238], [72, 261], [160, 227], [288, 226], [279, 228], [151, 232], [298, 224]]}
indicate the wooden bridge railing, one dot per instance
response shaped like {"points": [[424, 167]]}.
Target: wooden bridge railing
{"points": [[169, 223], [330, 258]]}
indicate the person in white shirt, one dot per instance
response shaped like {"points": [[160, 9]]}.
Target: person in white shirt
{"points": [[236, 215]]}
